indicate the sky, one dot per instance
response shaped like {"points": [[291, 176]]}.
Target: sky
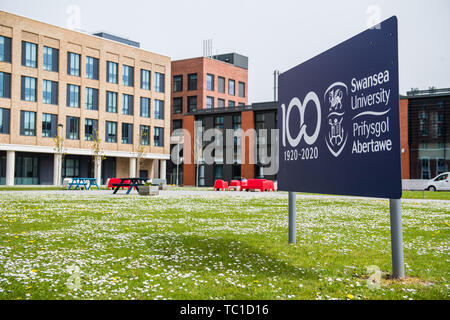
{"points": [[274, 34]]}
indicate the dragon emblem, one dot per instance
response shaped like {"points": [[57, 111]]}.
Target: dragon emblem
{"points": [[335, 99]]}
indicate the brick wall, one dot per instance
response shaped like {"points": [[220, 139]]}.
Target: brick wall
{"points": [[247, 168], [404, 146]]}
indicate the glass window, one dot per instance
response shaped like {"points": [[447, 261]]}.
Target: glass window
{"points": [[111, 72], [201, 175], [241, 89], [221, 103], [177, 105], [91, 68], [231, 103], [28, 123], [159, 109], [90, 129], [218, 122], [5, 85], [441, 167], [426, 168], [192, 104], [50, 92], [49, 125], [145, 79], [29, 54], [127, 133], [51, 59], [26, 171], [28, 89], [192, 81], [73, 64], [111, 101], [210, 82], [237, 119], [145, 135], [127, 104], [71, 168], [177, 124], [128, 76], [4, 121], [73, 128], [218, 171], [145, 107], [91, 99], [209, 102], [178, 83], [158, 140], [5, 49], [231, 87], [237, 171], [221, 84], [159, 82], [111, 131], [73, 96]]}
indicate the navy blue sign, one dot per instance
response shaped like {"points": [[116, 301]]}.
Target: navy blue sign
{"points": [[338, 116]]}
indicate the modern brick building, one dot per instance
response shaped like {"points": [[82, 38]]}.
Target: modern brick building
{"points": [[425, 132], [205, 84], [56, 82], [246, 160]]}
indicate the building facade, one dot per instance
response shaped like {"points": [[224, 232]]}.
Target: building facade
{"points": [[245, 131], [427, 152], [78, 89], [204, 84]]}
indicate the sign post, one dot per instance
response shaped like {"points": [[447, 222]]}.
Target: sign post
{"points": [[339, 123], [398, 265], [292, 218]]}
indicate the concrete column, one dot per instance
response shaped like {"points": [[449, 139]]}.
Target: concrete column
{"points": [[57, 165], [98, 169], [151, 168], [10, 167], [162, 173], [132, 168]]}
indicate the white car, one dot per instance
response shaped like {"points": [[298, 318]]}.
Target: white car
{"points": [[441, 182]]}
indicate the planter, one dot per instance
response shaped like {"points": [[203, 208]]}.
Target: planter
{"points": [[148, 190]]}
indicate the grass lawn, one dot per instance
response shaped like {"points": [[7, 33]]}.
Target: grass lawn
{"points": [[434, 195], [81, 246]]}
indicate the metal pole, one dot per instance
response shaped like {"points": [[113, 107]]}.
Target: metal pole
{"points": [[292, 218], [178, 159], [398, 266]]}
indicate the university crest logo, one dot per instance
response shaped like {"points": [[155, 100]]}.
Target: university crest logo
{"points": [[335, 136]]}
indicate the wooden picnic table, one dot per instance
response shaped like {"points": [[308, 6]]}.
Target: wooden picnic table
{"points": [[130, 183], [87, 183]]}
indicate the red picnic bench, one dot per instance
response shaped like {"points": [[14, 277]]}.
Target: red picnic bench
{"points": [[258, 184], [235, 185], [220, 185]]}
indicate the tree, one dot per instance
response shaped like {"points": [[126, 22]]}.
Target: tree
{"points": [[140, 152], [58, 142], [98, 154]]}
